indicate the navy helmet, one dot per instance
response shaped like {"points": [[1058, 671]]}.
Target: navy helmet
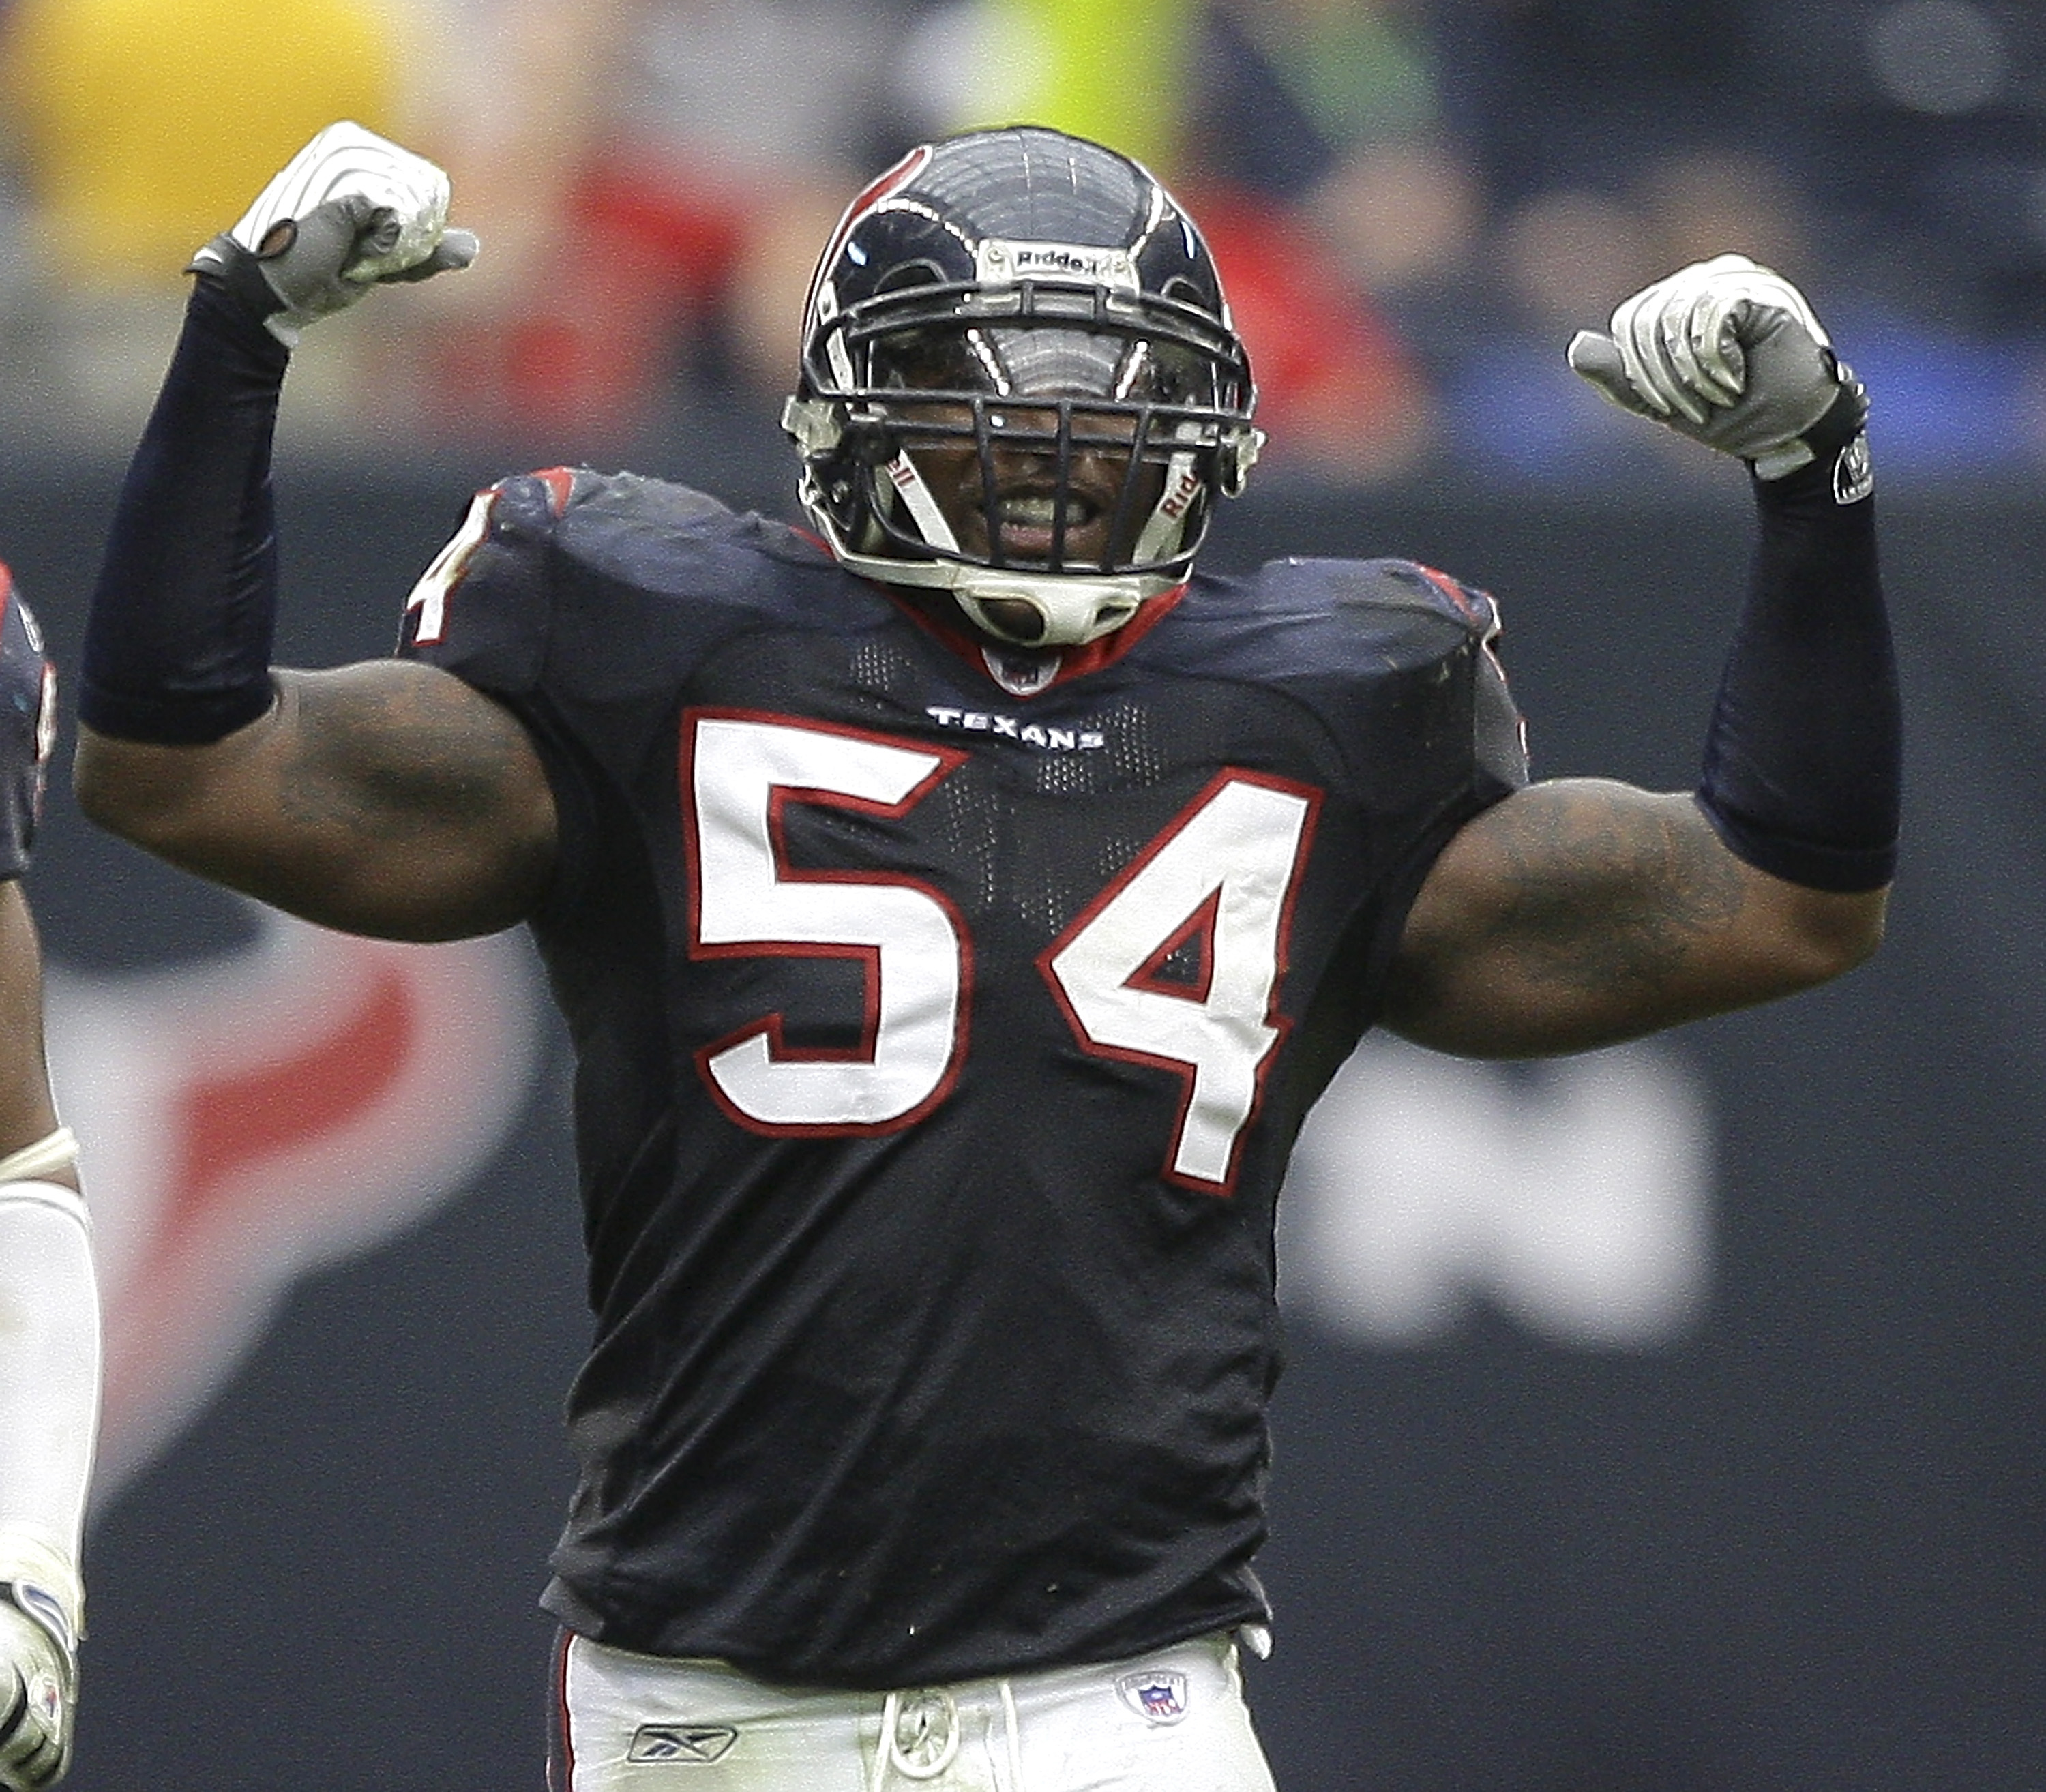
{"points": [[1019, 264]]}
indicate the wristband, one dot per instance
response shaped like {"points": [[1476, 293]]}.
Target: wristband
{"points": [[178, 641], [1803, 765]]}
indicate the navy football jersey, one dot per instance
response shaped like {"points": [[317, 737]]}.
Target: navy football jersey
{"points": [[28, 727], [938, 1053]]}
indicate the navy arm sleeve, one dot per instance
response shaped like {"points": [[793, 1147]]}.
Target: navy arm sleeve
{"points": [[1803, 765], [178, 640]]}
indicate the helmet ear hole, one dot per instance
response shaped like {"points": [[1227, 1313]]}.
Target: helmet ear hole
{"points": [[907, 276]]}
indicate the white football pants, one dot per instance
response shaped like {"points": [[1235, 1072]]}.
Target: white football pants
{"points": [[1175, 1722]]}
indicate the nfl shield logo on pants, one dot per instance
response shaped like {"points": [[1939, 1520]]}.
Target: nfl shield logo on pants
{"points": [[1158, 1697]]}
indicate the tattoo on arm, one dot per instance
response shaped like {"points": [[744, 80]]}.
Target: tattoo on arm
{"points": [[1602, 891], [1579, 912], [397, 759]]}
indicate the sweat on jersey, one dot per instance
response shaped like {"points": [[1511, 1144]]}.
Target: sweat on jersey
{"points": [[938, 1053]]}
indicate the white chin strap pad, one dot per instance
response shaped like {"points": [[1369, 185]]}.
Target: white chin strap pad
{"points": [[1075, 608]]}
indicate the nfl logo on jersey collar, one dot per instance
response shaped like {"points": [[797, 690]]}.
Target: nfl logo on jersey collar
{"points": [[1159, 1698]]}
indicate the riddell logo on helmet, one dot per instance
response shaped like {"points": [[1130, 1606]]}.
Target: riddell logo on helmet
{"points": [[1031, 260], [1001, 261]]}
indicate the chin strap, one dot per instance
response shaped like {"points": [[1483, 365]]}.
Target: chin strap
{"points": [[1076, 607], [1072, 608]]}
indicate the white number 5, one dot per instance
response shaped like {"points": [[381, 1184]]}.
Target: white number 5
{"points": [[738, 774]]}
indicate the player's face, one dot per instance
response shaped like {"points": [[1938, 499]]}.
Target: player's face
{"points": [[1032, 508], [1023, 503]]}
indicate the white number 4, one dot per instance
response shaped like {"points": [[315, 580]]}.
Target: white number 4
{"points": [[430, 596], [1220, 882]]}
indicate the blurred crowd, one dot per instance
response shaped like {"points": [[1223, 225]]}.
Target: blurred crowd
{"points": [[1414, 202]]}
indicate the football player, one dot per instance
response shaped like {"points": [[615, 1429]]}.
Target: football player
{"points": [[50, 1305], [958, 900]]}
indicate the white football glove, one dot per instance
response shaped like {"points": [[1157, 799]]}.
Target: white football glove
{"points": [[1728, 353], [40, 1602], [350, 211]]}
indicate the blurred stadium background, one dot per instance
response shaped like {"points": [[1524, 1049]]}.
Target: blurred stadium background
{"points": [[1665, 1419]]}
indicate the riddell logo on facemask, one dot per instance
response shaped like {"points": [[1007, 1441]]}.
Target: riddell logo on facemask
{"points": [[1185, 489]]}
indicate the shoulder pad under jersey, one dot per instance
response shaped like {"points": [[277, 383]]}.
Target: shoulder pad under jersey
{"points": [[1317, 620], [483, 605], [553, 559], [537, 502], [28, 726], [1389, 596], [1325, 625]]}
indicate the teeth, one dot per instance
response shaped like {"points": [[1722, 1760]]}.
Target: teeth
{"points": [[1040, 513]]}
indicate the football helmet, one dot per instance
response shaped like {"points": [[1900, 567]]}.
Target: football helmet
{"points": [[1020, 384]]}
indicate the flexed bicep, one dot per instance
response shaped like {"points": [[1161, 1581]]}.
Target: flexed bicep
{"points": [[386, 798], [1580, 911]]}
